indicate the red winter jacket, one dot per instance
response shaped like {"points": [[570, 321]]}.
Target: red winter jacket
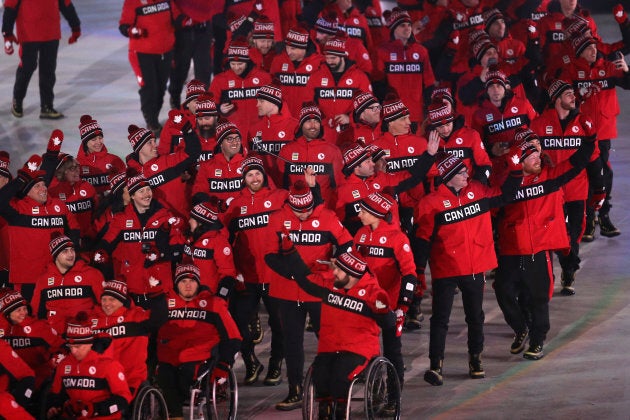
{"points": [[96, 167], [273, 132], [10, 409], [496, 125], [81, 200], [212, 253], [58, 297], [13, 367], [194, 328], [325, 159], [313, 238], [220, 177], [38, 20], [98, 379], [157, 17]]}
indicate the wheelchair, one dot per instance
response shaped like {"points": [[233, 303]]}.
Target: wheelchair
{"points": [[212, 400], [148, 404], [377, 386]]}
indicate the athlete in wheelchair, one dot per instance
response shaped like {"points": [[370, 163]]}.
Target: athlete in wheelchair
{"points": [[354, 309], [197, 323]]}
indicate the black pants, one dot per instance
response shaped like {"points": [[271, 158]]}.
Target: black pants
{"points": [[219, 32], [293, 319], [392, 350], [30, 54], [243, 306], [575, 213], [331, 374], [596, 182], [530, 276], [154, 70], [471, 287], [175, 382], [604, 155], [191, 44]]}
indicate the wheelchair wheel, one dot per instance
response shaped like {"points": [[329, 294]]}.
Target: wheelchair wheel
{"points": [[382, 391], [222, 399], [310, 405], [149, 404]]}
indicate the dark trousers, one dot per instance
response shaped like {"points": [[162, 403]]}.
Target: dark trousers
{"points": [[293, 320], [155, 70], [30, 54], [531, 277], [471, 288], [331, 373], [575, 213], [191, 44], [219, 32], [595, 173], [604, 155], [243, 306], [175, 382], [392, 350]]}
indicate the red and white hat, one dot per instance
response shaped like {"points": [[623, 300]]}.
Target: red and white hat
{"points": [[335, 46], [362, 101], [394, 109], [5, 161], [79, 329], [138, 137], [448, 166], [238, 50], [480, 47], [263, 28], [297, 37], [10, 300], [271, 93], [225, 128], [58, 242], [194, 88], [309, 111], [116, 182], [205, 212], [300, 197], [440, 113], [31, 174], [118, 290], [89, 128], [377, 205], [581, 42], [490, 16], [351, 264], [353, 157], [557, 88], [495, 76], [251, 163], [205, 106], [395, 17], [183, 271], [327, 22], [135, 181]]}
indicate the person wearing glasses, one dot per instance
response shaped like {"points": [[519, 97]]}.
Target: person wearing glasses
{"points": [[365, 126], [455, 235]]}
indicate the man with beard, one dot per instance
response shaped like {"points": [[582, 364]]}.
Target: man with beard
{"points": [[273, 130], [529, 230], [206, 117]]}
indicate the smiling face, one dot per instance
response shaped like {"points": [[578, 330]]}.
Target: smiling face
{"points": [[141, 199], [110, 304], [39, 192], [231, 145], [254, 180], [95, 144], [18, 315], [148, 151], [311, 128]]}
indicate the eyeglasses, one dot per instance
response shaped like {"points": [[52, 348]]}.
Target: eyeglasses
{"points": [[233, 139], [375, 108], [463, 172]]}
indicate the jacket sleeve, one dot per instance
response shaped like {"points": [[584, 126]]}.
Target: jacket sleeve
{"points": [[70, 14]]}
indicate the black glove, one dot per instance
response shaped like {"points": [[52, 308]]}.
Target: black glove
{"points": [[288, 265]]}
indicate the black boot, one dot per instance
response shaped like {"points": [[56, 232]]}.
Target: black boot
{"points": [[434, 374], [293, 400], [16, 109], [606, 228], [255, 330], [567, 278], [274, 372], [589, 231], [414, 316], [475, 368], [253, 369]]}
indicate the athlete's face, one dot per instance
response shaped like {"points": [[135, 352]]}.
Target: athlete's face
{"points": [[265, 108], [367, 218], [590, 53], [460, 180], [403, 31], [148, 151], [400, 126], [38, 192], [238, 67], [95, 144], [80, 351], [295, 54], [445, 130], [18, 315], [142, 198], [66, 258], [187, 288], [302, 215], [254, 180], [110, 304], [311, 128], [531, 164], [567, 100], [497, 29], [496, 93], [263, 45], [365, 168]]}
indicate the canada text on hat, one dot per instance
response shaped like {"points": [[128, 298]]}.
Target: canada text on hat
{"points": [[10, 300], [375, 152], [361, 101], [263, 28], [297, 37], [300, 197], [309, 111], [116, 289], [58, 242], [225, 128], [377, 205], [524, 135], [394, 109], [205, 106], [335, 46], [353, 157], [89, 128], [495, 76], [79, 330], [556, 89], [440, 113], [204, 213], [194, 88], [448, 166], [5, 161], [481, 46], [270, 93], [396, 17], [327, 23], [575, 26], [183, 271], [581, 42], [351, 264], [138, 137], [238, 51], [235, 22], [250, 163], [116, 182], [135, 182], [443, 93]]}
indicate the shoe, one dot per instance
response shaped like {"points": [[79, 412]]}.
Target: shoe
{"points": [[389, 410], [253, 369], [324, 411], [274, 373], [475, 368], [434, 374], [589, 232], [606, 228], [411, 323], [293, 400], [518, 345], [534, 352], [16, 109], [50, 113], [255, 330], [567, 279]]}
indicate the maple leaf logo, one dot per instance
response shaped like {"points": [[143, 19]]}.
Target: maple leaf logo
{"points": [[515, 159], [177, 118], [56, 141], [32, 166]]}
